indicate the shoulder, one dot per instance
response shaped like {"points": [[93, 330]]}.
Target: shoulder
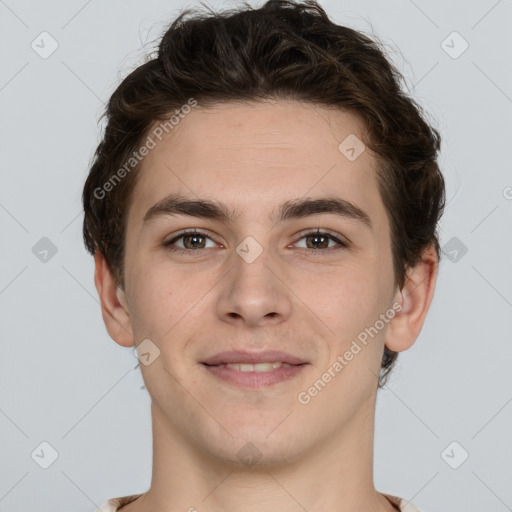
{"points": [[114, 504], [407, 506], [402, 504]]}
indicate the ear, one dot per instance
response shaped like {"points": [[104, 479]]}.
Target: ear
{"points": [[415, 297], [114, 306]]}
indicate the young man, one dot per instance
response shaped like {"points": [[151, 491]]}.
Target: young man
{"points": [[262, 211]]}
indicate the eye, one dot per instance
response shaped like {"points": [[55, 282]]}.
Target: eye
{"points": [[189, 241], [317, 240], [312, 241]]}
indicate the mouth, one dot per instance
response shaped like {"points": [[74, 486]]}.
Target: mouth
{"points": [[256, 367], [250, 370]]}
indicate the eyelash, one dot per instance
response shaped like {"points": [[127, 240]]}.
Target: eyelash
{"points": [[342, 244]]}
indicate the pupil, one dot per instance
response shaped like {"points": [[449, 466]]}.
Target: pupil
{"points": [[323, 241], [192, 241]]}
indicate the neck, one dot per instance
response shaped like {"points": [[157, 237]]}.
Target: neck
{"points": [[330, 476]]}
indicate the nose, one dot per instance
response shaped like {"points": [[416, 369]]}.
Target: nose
{"points": [[252, 294]]}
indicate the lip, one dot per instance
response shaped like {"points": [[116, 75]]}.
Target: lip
{"points": [[243, 356], [254, 380]]}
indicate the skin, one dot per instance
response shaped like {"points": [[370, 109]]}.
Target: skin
{"points": [[254, 157]]}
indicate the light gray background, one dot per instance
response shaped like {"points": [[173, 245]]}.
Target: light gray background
{"points": [[63, 381]]}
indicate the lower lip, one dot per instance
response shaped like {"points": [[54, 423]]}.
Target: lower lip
{"points": [[255, 380]]}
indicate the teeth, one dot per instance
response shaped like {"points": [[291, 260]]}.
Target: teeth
{"points": [[258, 367]]}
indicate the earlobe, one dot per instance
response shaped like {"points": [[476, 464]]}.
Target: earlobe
{"points": [[417, 294], [114, 306]]}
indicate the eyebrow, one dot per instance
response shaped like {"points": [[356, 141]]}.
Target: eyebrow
{"points": [[294, 209]]}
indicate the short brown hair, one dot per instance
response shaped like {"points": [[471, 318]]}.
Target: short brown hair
{"points": [[283, 50]]}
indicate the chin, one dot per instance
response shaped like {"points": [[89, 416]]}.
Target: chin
{"points": [[250, 447], [253, 455]]}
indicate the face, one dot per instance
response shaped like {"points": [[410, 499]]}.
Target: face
{"points": [[291, 253]]}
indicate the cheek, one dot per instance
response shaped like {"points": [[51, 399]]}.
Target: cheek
{"points": [[165, 305], [150, 295], [343, 301]]}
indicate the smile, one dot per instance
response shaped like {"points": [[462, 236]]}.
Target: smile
{"points": [[257, 367], [254, 376]]}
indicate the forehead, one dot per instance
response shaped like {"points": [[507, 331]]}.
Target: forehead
{"points": [[255, 156]]}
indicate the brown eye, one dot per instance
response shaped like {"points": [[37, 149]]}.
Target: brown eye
{"points": [[317, 241], [194, 241], [189, 241]]}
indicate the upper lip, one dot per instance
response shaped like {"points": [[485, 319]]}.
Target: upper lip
{"points": [[243, 356]]}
